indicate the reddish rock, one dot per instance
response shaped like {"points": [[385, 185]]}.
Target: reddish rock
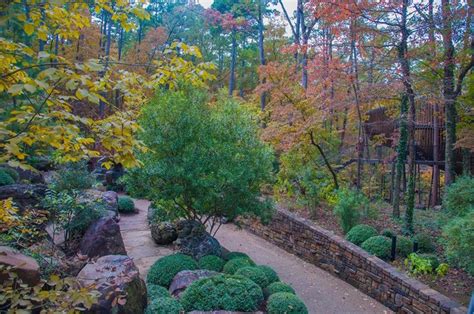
{"points": [[115, 277], [103, 238], [25, 267]]}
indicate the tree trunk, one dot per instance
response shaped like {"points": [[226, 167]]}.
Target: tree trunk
{"points": [[401, 156], [261, 50], [232, 63]]}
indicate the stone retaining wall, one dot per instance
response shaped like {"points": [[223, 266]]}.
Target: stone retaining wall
{"points": [[350, 263]]}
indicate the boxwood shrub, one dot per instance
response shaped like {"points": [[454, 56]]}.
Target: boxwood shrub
{"points": [[232, 255], [164, 306], [255, 274], [272, 276], [222, 292], [155, 291], [278, 287], [425, 243], [211, 262], [404, 246], [379, 246], [163, 270], [125, 205], [389, 233], [360, 233], [235, 264], [284, 302]]}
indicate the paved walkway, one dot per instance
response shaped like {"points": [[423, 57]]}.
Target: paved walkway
{"points": [[321, 292]]}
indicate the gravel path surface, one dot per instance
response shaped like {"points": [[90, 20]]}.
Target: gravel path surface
{"points": [[321, 292]]}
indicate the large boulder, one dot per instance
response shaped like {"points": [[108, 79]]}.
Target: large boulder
{"points": [[195, 241], [24, 195], [24, 266], [115, 276], [185, 278], [107, 198], [163, 232], [103, 238]]}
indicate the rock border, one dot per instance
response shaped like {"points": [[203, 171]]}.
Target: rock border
{"points": [[352, 264]]}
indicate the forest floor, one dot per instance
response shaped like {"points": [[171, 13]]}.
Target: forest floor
{"points": [[457, 284], [318, 289]]}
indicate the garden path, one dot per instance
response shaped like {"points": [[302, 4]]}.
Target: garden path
{"points": [[321, 292]]}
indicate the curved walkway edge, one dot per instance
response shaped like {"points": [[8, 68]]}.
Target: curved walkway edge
{"points": [[321, 292]]}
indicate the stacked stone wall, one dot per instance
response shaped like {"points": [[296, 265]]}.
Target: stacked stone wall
{"points": [[350, 263]]}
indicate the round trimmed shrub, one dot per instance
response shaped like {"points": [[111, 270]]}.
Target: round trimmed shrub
{"points": [[389, 233], [222, 292], [163, 270], [155, 291], [255, 274], [425, 243], [404, 246], [211, 262], [379, 246], [272, 276], [235, 264], [232, 255], [164, 306], [5, 178], [360, 233], [278, 287], [125, 205], [284, 302], [12, 173]]}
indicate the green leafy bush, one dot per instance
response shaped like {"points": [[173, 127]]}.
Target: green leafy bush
{"points": [[5, 178], [156, 291], [360, 233], [350, 204], [459, 197], [425, 243], [389, 233], [72, 176], [222, 292], [188, 140], [162, 211], [379, 246], [278, 287], [11, 172], [211, 262], [164, 306], [235, 264], [404, 246], [284, 302], [232, 255], [458, 242], [272, 276], [421, 264], [255, 274], [125, 205], [163, 270]]}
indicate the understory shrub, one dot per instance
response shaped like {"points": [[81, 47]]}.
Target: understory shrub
{"points": [[222, 292], [360, 233], [163, 270], [235, 264], [255, 274], [284, 302], [379, 246], [404, 246], [11, 172], [389, 233], [459, 197], [189, 139], [458, 242], [156, 291], [350, 204], [272, 276], [278, 287], [72, 176], [425, 243], [422, 264], [211, 262], [5, 178], [164, 306], [232, 255], [125, 205]]}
